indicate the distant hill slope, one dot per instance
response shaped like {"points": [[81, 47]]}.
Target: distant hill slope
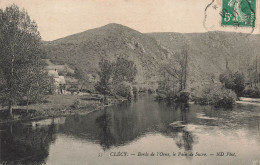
{"points": [[84, 50], [208, 51]]}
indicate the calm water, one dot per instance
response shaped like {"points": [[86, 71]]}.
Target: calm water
{"points": [[140, 126]]}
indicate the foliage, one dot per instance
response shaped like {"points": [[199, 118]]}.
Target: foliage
{"points": [[79, 74], [143, 89], [51, 85], [82, 77], [173, 80], [161, 95], [252, 92], [135, 89], [124, 89], [124, 70], [227, 79], [105, 74], [151, 90], [19, 51], [182, 97], [239, 83], [217, 96], [253, 69], [173, 96], [76, 104], [69, 74], [116, 78], [34, 84], [235, 81], [73, 89]]}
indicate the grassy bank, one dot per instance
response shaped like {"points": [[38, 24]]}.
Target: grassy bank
{"points": [[58, 105]]}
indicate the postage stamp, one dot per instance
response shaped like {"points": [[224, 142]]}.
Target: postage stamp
{"points": [[239, 13]]}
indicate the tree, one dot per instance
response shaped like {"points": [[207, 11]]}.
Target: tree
{"points": [[124, 70], [118, 75], [82, 77], [34, 84], [177, 69], [19, 49], [239, 83], [183, 61], [235, 82], [253, 74], [105, 74], [226, 78]]}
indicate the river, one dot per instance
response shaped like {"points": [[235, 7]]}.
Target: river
{"points": [[118, 134]]}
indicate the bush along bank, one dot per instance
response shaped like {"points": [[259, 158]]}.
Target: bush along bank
{"points": [[60, 105], [172, 96], [251, 92], [219, 97]]}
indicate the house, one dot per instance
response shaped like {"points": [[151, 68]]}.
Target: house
{"points": [[59, 81], [62, 84]]}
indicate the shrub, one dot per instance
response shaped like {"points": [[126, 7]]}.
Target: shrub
{"points": [[73, 89], [76, 104], [135, 89], [252, 92], [151, 90], [182, 97], [69, 74], [124, 89], [172, 96], [161, 95], [143, 89], [224, 101], [202, 100], [217, 96], [234, 81]]}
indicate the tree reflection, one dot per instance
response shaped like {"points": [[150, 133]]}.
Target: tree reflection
{"points": [[22, 144], [184, 138], [106, 137], [124, 123]]}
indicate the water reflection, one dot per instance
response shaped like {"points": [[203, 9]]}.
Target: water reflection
{"points": [[125, 123], [179, 127], [106, 137], [183, 138], [25, 144]]}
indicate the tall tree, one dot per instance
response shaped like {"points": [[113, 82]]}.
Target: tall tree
{"points": [[234, 81], [105, 73], [177, 68], [19, 49], [34, 84], [184, 66], [124, 70], [82, 77]]}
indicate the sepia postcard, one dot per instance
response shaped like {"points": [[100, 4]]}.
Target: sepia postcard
{"points": [[129, 82]]}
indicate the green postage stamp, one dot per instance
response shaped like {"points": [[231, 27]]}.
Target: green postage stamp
{"points": [[239, 13]]}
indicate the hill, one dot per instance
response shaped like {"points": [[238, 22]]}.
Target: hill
{"points": [[84, 50], [209, 52]]}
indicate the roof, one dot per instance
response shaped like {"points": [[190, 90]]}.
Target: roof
{"points": [[57, 67], [70, 80], [62, 80], [53, 73]]}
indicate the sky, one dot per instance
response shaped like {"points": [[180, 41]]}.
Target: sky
{"points": [[60, 18]]}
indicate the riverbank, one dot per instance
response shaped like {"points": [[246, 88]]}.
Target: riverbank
{"points": [[59, 105], [246, 100]]}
